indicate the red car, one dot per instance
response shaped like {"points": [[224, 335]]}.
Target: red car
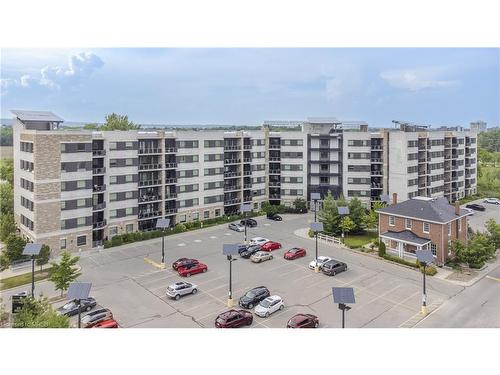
{"points": [[183, 262], [295, 253], [110, 323], [270, 246], [192, 269], [234, 319], [303, 321]]}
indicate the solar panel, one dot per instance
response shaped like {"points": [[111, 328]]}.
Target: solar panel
{"points": [[317, 227], [385, 198], [315, 196], [230, 248], [424, 256], [162, 223], [343, 210], [32, 249], [246, 208], [78, 290], [343, 295]]}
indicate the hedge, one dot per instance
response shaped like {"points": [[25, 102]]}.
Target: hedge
{"points": [[399, 260]]}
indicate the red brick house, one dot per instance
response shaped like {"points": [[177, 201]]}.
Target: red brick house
{"points": [[422, 223]]}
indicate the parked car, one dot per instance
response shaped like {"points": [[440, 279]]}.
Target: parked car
{"points": [[469, 211], [333, 267], [476, 207], [303, 321], [269, 305], [71, 308], [321, 260], [270, 246], [193, 269], [492, 201], [110, 323], [294, 253], [183, 262], [242, 247], [92, 318], [234, 319], [252, 223], [259, 241], [253, 297], [261, 256], [249, 251], [274, 217], [236, 227], [180, 289]]}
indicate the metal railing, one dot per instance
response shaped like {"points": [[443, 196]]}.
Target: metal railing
{"points": [[171, 180], [274, 171], [274, 183], [247, 160], [170, 149], [232, 201], [149, 150], [274, 147], [247, 186], [97, 188], [376, 160], [170, 211], [232, 147], [232, 161], [99, 224], [376, 173], [232, 174], [232, 187], [150, 198], [150, 182], [275, 158], [171, 196], [247, 147], [143, 215], [98, 152], [274, 196], [247, 173], [150, 166], [170, 165], [100, 170], [99, 206], [376, 147]]}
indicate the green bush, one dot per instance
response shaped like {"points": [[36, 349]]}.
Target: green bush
{"points": [[107, 244], [311, 233], [147, 235], [381, 249], [399, 260], [429, 270], [116, 241]]}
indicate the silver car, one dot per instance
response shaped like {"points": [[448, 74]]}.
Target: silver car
{"points": [[261, 256], [237, 227], [180, 289]]}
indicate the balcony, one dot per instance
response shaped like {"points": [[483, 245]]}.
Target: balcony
{"points": [[247, 198], [232, 201], [422, 160], [170, 150], [247, 186], [376, 173], [232, 174], [274, 171], [247, 147], [100, 170], [150, 198], [99, 188], [247, 173], [149, 214], [274, 146], [98, 152], [143, 167], [275, 158], [170, 197], [149, 150], [274, 183], [99, 206], [376, 160], [99, 224], [377, 186], [150, 182], [247, 160], [170, 165], [274, 196], [232, 161], [170, 211], [232, 187], [376, 147], [170, 180], [232, 147]]}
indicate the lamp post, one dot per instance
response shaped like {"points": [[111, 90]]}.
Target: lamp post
{"points": [[32, 249], [245, 208], [343, 211], [342, 296], [315, 197], [229, 250], [424, 257], [78, 291], [162, 224], [316, 227]]}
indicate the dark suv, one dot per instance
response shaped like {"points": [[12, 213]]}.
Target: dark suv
{"points": [[234, 319], [250, 222], [249, 251], [253, 297], [274, 217], [333, 267]]}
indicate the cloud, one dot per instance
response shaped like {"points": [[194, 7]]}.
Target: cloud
{"points": [[80, 66], [342, 84], [417, 79]]}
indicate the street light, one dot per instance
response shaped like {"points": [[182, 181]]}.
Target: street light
{"points": [[32, 249], [425, 257], [162, 224], [78, 291], [245, 208], [229, 250], [343, 211], [343, 296], [315, 197], [316, 227]]}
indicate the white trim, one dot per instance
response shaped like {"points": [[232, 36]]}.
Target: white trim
{"points": [[404, 241], [423, 227], [420, 219], [393, 221]]}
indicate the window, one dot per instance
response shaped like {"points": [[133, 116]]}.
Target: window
{"points": [[112, 179], [324, 142], [129, 178], [129, 211], [255, 206], [182, 218], [112, 196], [113, 231], [112, 213], [129, 195], [324, 155], [63, 205], [63, 147], [392, 221], [323, 180], [112, 145], [129, 228], [195, 216], [80, 221], [433, 249], [206, 214], [81, 203], [324, 167], [426, 227], [129, 162], [80, 184], [62, 243], [129, 145], [408, 223], [81, 240], [217, 212]]}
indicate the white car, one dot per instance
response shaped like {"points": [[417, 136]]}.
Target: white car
{"points": [[492, 201], [259, 241], [180, 289], [321, 260], [269, 305], [237, 227], [470, 212]]}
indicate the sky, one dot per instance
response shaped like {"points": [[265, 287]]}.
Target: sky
{"points": [[248, 86]]}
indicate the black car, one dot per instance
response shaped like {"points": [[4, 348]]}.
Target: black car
{"points": [[251, 223], [476, 207], [71, 308], [274, 217], [242, 248], [249, 251], [254, 296], [333, 267]]}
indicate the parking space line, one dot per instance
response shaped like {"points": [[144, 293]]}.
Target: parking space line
{"points": [[210, 280], [278, 267], [492, 278], [381, 296], [181, 244], [213, 237], [289, 272], [197, 241]]}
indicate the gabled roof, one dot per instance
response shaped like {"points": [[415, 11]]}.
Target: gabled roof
{"points": [[43, 116], [437, 210]]}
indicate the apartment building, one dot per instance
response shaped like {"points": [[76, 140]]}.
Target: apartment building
{"points": [[74, 189], [478, 126]]}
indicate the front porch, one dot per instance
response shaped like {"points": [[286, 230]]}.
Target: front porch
{"points": [[404, 244]]}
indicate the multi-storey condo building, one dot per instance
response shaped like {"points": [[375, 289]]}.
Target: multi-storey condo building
{"points": [[73, 188]]}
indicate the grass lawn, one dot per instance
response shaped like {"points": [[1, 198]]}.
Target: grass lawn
{"points": [[23, 279], [355, 241]]}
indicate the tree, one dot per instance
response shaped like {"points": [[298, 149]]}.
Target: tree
{"points": [[269, 208], [493, 234], [370, 219], [4, 262], [6, 135], [3, 313], [91, 126], [6, 198], [38, 314], [477, 251], [7, 226], [490, 140], [346, 224], [14, 246], [357, 214], [329, 215], [43, 257], [118, 122], [7, 170], [300, 204], [64, 273]]}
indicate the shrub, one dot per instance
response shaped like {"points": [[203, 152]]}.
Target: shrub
{"points": [[429, 270], [399, 260], [107, 244], [126, 238], [116, 241], [147, 235], [136, 236], [179, 228], [311, 233], [381, 249]]}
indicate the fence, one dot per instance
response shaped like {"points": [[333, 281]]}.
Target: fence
{"points": [[329, 239]]}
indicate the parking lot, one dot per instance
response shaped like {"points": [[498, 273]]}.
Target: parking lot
{"points": [[387, 295], [479, 218]]}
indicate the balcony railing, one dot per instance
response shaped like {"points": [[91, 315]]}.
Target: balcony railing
{"points": [[99, 224], [274, 196], [170, 180], [376, 160], [247, 160], [232, 147], [274, 171], [150, 182], [274, 158], [274, 183], [247, 147], [232, 201], [99, 206], [274, 147], [98, 152], [170, 165], [147, 214], [149, 150], [171, 196], [376, 173], [247, 173], [247, 186], [169, 211], [232, 174], [247, 198], [376, 147], [150, 166], [98, 188], [100, 170], [232, 187], [232, 161], [150, 198], [170, 150]]}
